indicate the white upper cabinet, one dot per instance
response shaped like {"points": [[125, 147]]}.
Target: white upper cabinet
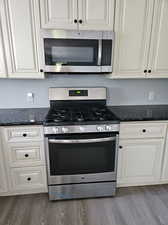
{"points": [[3, 70], [58, 14], [22, 38], [141, 49], [132, 36], [77, 14], [96, 14], [158, 57]]}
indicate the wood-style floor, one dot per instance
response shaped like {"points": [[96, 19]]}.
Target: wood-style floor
{"points": [[131, 206]]}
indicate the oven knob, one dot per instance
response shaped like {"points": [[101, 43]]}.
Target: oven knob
{"points": [[55, 130], [65, 130], [82, 129], [100, 128], [109, 128]]}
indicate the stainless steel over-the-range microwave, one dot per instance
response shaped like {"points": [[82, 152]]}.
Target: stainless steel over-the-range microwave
{"points": [[78, 52]]}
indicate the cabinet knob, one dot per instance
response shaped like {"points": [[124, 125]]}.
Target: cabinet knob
{"points": [[75, 21], [149, 71], [144, 130], [145, 71], [80, 21], [26, 155], [120, 147], [24, 135], [29, 178], [41, 71]]}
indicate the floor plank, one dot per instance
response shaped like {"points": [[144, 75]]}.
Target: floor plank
{"points": [[132, 206]]}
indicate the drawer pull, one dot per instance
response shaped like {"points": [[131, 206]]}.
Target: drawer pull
{"points": [[144, 130], [120, 147], [24, 135], [29, 178], [26, 155]]}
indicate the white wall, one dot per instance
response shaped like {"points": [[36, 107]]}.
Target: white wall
{"points": [[120, 92]]}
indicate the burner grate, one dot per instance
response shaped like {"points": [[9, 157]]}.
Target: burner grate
{"points": [[79, 114]]}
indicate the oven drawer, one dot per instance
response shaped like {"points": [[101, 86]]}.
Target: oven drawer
{"points": [[26, 154], [24, 133], [74, 191], [28, 178], [142, 130]]}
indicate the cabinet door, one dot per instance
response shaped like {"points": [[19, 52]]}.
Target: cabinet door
{"points": [[132, 29], [3, 71], [30, 178], [23, 39], [165, 163], [158, 57], [140, 161], [3, 176], [58, 14], [96, 14]]}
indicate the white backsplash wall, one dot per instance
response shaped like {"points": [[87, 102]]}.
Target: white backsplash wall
{"points": [[120, 92]]}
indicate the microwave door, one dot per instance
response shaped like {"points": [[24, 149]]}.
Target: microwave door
{"points": [[72, 55]]}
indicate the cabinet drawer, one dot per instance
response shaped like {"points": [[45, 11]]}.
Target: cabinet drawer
{"points": [[26, 154], [28, 178], [19, 134], [142, 130]]}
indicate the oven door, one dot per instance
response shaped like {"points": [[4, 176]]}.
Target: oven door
{"points": [[81, 158]]}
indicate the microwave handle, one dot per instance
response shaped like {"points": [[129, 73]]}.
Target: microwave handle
{"points": [[77, 141], [99, 59]]}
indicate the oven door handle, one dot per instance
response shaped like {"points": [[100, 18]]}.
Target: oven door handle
{"points": [[76, 141]]}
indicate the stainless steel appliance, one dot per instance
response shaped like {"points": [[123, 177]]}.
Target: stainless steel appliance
{"points": [[78, 52], [81, 144]]}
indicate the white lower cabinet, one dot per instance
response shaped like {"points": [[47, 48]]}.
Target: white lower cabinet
{"points": [[3, 178], [23, 148], [30, 178], [164, 177], [26, 154], [141, 153], [3, 175], [140, 161]]}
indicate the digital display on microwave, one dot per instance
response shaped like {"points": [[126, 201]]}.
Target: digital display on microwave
{"points": [[78, 93]]}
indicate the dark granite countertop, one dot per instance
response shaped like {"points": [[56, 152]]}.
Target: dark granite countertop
{"points": [[36, 116], [140, 112], [26, 116]]}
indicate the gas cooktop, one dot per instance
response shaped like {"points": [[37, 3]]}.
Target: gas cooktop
{"points": [[90, 114]]}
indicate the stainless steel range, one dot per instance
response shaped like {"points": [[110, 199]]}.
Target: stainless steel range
{"points": [[81, 144]]}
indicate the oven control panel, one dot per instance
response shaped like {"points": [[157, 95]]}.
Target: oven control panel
{"points": [[81, 129]]}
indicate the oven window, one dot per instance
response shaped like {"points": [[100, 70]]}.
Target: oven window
{"points": [[75, 52], [66, 159]]}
